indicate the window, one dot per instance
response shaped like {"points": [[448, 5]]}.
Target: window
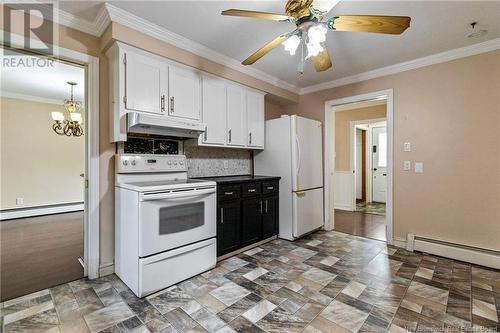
{"points": [[382, 150]]}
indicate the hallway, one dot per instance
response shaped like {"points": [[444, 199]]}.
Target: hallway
{"points": [[360, 224]]}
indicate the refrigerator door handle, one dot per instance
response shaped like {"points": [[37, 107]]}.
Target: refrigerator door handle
{"points": [[298, 154]]}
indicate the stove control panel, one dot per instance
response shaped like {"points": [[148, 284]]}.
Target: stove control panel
{"points": [[131, 163]]}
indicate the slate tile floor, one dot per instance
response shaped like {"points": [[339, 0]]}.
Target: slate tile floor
{"points": [[326, 282]]}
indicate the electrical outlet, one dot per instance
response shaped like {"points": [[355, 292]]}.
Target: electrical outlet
{"points": [[226, 164], [419, 167], [19, 201], [407, 165], [407, 146]]}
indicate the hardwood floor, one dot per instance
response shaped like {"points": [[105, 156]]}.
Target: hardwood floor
{"points": [[39, 252], [360, 224]]}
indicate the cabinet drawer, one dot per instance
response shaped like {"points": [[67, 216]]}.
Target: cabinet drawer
{"points": [[228, 192], [269, 187], [250, 189]]}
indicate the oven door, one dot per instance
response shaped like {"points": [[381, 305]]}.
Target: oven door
{"points": [[176, 218]]}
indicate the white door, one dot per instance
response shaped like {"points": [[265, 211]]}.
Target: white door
{"points": [[145, 83], [214, 110], [307, 211], [236, 116], [255, 119], [184, 93], [307, 154], [379, 164]]}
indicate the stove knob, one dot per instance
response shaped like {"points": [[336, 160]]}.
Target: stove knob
{"points": [[181, 162], [169, 162], [133, 162], [175, 162], [125, 162]]}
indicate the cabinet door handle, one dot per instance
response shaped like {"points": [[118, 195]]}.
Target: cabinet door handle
{"points": [[205, 134], [228, 193], [162, 103], [222, 216], [270, 187], [229, 135], [172, 107], [250, 137], [266, 205], [251, 190], [260, 207]]}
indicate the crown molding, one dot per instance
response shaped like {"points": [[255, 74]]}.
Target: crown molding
{"points": [[467, 51], [31, 98], [132, 21]]}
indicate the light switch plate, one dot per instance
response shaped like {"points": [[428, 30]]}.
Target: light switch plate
{"points": [[226, 164], [407, 165], [419, 167], [407, 146], [19, 201]]}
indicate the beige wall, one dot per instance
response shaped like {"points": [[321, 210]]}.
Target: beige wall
{"points": [[343, 131], [450, 112], [37, 165]]}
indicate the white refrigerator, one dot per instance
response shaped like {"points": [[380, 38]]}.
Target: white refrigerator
{"points": [[294, 151]]}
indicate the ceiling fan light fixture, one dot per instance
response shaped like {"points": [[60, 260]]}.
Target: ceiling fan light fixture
{"points": [[291, 44], [313, 49], [317, 34]]}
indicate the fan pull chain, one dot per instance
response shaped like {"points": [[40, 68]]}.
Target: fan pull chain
{"points": [[300, 67]]}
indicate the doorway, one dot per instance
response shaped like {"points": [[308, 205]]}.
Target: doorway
{"points": [[369, 164], [43, 176], [358, 165]]}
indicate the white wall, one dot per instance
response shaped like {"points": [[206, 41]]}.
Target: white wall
{"points": [[37, 165]]}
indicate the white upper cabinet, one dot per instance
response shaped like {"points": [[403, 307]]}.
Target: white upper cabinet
{"points": [[255, 119], [184, 93], [214, 111], [236, 116], [145, 83]]}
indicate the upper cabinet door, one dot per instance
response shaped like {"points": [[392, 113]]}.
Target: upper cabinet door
{"points": [[184, 93], [214, 110], [255, 119], [236, 116], [145, 83]]}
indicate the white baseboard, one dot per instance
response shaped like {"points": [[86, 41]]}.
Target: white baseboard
{"points": [[106, 269], [474, 255], [39, 211]]}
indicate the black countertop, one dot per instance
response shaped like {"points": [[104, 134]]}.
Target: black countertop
{"points": [[240, 179]]}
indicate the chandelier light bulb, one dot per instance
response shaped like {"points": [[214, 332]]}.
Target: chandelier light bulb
{"points": [[291, 44], [76, 116], [57, 116]]}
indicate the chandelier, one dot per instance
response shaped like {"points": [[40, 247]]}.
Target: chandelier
{"points": [[73, 125]]}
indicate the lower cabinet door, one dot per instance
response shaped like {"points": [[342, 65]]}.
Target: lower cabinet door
{"points": [[270, 217], [228, 226], [251, 224]]}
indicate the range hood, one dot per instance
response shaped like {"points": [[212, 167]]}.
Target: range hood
{"points": [[138, 122]]}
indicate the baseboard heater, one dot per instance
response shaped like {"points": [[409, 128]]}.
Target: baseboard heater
{"points": [[471, 254]]}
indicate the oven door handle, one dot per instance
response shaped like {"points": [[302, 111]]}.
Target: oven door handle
{"points": [[176, 195]]}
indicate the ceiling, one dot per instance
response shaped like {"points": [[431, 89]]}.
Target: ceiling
{"points": [[436, 26], [44, 83]]}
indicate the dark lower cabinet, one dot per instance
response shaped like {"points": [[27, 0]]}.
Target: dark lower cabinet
{"points": [[228, 226], [246, 213], [270, 216], [251, 221]]}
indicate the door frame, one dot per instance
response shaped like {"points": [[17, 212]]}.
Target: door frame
{"points": [[91, 209], [371, 123], [329, 153]]}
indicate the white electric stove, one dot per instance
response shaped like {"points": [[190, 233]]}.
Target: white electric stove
{"points": [[165, 223]]}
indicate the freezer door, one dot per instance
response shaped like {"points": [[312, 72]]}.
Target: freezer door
{"points": [[307, 211], [307, 154]]}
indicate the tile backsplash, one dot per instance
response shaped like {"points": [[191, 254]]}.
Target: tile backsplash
{"points": [[208, 161]]}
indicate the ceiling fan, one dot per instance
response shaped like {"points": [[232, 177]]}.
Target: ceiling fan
{"points": [[311, 30]]}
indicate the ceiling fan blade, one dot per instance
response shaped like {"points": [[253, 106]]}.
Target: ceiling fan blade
{"points": [[322, 7], [370, 23], [265, 49], [261, 15], [322, 61], [298, 8]]}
